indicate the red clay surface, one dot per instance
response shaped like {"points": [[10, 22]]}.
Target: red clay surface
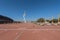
{"points": [[29, 31]]}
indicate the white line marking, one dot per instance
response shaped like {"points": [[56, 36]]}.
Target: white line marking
{"points": [[18, 35], [29, 29]]}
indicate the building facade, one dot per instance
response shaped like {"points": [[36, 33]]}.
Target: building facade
{"points": [[4, 19]]}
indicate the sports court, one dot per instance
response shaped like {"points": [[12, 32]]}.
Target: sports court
{"points": [[29, 31]]}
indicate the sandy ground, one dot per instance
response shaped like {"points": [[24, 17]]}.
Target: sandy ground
{"points": [[29, 31]]}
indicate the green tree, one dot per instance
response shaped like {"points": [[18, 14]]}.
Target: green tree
{"points": [[59, 19], [54, 20], [41, 20]]}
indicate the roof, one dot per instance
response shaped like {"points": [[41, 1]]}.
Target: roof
{"points": [[5, 18]]}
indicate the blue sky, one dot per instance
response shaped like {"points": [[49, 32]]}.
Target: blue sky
{"points": [[34, 9]]}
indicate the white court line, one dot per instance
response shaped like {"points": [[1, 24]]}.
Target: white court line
{"points": [[4, 31], [19, 34], [29, 29]]}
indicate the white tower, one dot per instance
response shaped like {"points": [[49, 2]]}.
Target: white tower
{"points": [[24, 17]]}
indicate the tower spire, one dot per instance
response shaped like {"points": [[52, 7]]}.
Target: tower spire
{"points": [[24, 15]]}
